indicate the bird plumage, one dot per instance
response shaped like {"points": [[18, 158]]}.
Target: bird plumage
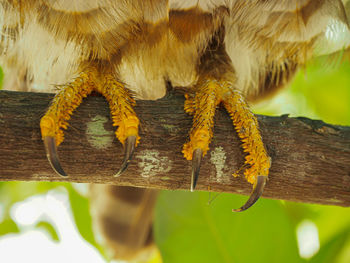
{"points": [[151, 42]]}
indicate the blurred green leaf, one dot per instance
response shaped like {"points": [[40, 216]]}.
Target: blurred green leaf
{"points": [[320, 91], [1, 77], [8, 226], [326, 88], [49, 229], [344, 255], [331, 220], [12, 192], [82, 218], [330, 251], [298, 212], [189, 230], [80, 208]]}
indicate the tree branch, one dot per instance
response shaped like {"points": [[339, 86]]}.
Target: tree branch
{"points": [[310, 159]]}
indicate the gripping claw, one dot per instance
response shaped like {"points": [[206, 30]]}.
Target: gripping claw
{"points": [[257, 192], [196, 165], [129, 151], [52, 156]]}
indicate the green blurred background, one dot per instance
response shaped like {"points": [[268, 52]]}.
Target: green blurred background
{"points": [[200, 227]]}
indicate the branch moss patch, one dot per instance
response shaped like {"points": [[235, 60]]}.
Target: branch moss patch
{"points": [[96, 133]]}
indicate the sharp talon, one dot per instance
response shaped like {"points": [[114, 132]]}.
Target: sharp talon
{"points": [[52, 156], [129, 151], [257, 192], [196, 165]]}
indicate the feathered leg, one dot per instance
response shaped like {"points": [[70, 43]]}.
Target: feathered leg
{"points": [[123, 115], [69, 98], [55, 120], [209, 94]]}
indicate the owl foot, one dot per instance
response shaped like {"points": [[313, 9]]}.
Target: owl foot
{"points": [[202, 105], [69, 98], [123, 115]]}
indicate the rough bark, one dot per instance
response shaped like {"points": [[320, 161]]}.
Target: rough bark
{"points": [[310, 159]]}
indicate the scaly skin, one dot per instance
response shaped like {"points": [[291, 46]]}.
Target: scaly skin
{"points": [[247, 128], [71, 95], [65, 102], [121, 106], [202, 106], [209, 94]]}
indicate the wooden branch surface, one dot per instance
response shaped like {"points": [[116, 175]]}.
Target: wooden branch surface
{"points": [[310, 159]]}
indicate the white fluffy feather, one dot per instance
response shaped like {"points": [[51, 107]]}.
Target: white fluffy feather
{"points": [[145, 68]]}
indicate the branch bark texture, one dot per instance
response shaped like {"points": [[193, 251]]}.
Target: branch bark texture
{"points": [[310, 159]]}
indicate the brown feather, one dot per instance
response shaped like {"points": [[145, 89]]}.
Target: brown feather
{"points": [[124, 216]]}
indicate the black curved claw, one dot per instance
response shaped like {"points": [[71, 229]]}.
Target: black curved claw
{"points": [[129, 151], [52, 155], [196, 165], [257, 192]]}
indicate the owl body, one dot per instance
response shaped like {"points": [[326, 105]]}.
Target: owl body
{"points": [[149, 43], [256, 45]]}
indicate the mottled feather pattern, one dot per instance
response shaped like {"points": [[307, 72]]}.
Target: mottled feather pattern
{"points": [[123, 217], [151, 42]]}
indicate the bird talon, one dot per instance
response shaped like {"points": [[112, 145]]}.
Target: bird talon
{"points": [[209, 94], [52, 155], [256, 193], [196, 165], [129, 151]]}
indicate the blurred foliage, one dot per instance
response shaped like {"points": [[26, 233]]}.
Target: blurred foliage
{"points": [[188, 229], [8, 226], [326, 90], [321, 90], [1, 77], [15, 192], [49, 228], [82, 217], [200, 227]]}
